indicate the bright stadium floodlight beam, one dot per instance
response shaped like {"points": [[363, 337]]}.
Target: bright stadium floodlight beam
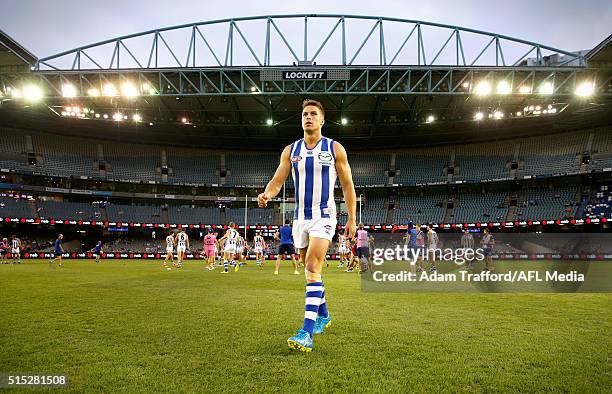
{"points": [[478, 116], [32, 93], [585, 89], [498, 114], [105, 116], [118, 116], [344, 121], [430, 119], [68, 90], [16, 93], [269, 121], [129, 90], [546, 88], [110, 90], [93, 92], [503, 87], [483, 88], [137, 117], [525, 89], [184, 120]]}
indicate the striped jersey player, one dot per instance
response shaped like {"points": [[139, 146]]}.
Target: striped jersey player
{"points": [[315, 162]]}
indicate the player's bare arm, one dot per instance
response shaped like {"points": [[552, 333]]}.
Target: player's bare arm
{"points": [[343, 169]]}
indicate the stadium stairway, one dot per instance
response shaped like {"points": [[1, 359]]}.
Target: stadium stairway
{"points": [[449, 213], [33, 209], [164, 215]]}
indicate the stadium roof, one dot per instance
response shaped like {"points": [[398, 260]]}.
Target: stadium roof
{"points": [[601, 55], [13, 56], [378, 92]]}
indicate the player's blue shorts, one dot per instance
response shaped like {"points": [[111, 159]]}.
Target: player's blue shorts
{"points": [[488, 251], [286, 249], [57, 253], [363, 252]]}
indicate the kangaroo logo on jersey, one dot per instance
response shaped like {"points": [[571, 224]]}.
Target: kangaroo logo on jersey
{"points": [[296, 159], [325, 157]]}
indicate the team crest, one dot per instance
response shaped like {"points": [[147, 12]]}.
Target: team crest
{"points": [[325, 157], [295, 159]]}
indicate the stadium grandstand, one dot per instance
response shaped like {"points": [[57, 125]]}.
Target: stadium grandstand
{"points": [[476, 137]]}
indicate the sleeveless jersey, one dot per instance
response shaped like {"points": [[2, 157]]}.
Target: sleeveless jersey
{"points": [[16, 243], [342, 240], [314, 177], [259, 241], [240, 243], [182, 239], [169, 241], [232, 237]]}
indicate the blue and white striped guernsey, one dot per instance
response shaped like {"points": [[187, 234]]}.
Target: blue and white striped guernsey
{"points": [[314, 177]]}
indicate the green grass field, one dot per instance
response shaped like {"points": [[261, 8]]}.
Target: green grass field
{"points": [[124, 328]]}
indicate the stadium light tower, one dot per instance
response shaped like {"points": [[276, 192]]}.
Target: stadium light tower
{"points": [[585, 89], [344, 121], [68, 90], [269, 121], [430, 119], [129, 90], [110, 90], [32, 93], [478, 116], [483, 88]]}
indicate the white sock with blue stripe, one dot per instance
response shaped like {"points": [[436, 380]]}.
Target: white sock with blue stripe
{"points": [[314, 296]]}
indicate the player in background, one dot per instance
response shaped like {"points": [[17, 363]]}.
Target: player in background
{"points": [[169, 250], [4, 247], [241, 250], [98, 251], [285, 237], [487, 243], [420, 245], [363, 249], [259, 246], [316, 162], [371, 243], [218, 251], [58, 250], [228, 243], [432, 245], [16, 246], [211, 245], [182, 244], [343, 250], [467, 242]]}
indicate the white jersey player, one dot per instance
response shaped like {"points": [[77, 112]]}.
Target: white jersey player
{"points": [[182, 244], [16, 249], [260, 245], [344, 249], [229, 241], [169, 250]]}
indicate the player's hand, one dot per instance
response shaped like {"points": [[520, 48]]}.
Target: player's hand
{"points": [[350, 228], [262, 200]]}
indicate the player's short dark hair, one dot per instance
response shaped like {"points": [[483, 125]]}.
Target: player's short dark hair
{"points": [[287, 221], [314, 103]]}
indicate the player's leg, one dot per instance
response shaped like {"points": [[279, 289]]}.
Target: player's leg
{"points": [[315, 290], [294, 263], [278, 259]]}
